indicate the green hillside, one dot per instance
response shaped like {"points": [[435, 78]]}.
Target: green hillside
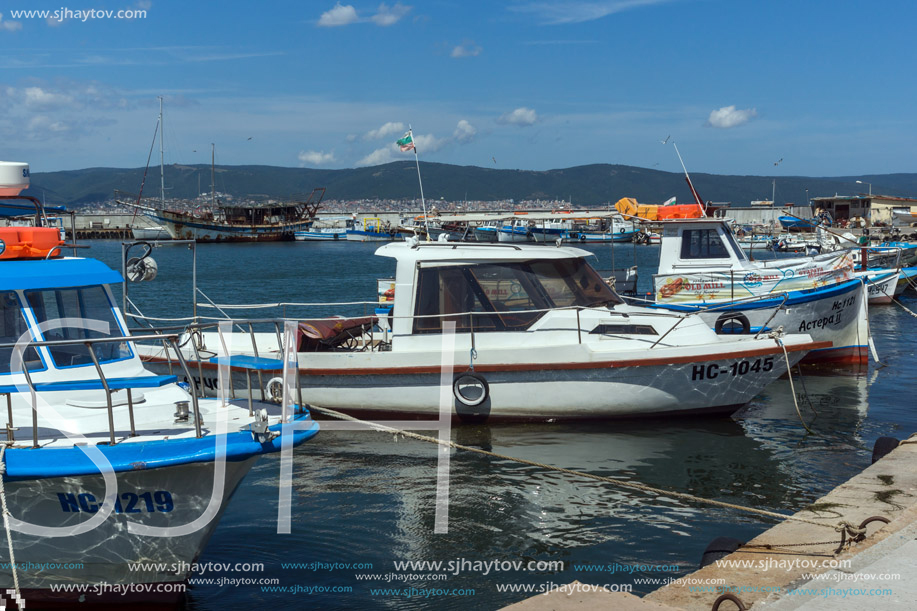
{"points": [[590, 185]]}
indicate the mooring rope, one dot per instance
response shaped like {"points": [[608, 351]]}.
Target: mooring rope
{"points": [[843, 526], [789, 372], [903, 307], [6, 521]]}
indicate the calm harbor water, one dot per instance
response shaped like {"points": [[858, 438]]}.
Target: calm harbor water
{"points": [[368, 498]]}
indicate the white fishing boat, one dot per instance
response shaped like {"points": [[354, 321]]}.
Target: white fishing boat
{"points": [[550, 230], [107, 465], [886, 264], [703, 269], [371, 229], [487, 231], [882, 285], [153, 232], [578, 228], [514, 230], [519, 332], [321, 234]]}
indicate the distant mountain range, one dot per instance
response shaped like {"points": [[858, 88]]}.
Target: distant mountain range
{"points": [[590, 185]]}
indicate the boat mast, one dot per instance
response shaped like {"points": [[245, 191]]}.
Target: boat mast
{"points": [[212, 175], [162, 172], [697, 199]]}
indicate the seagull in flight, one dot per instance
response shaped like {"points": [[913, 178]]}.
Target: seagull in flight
{"points": [[778, 161], [666, 139], [495, 159]]}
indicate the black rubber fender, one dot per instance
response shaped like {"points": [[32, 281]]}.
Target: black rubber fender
{"points": [[882, 447], [470, 379], [729, 317], [719, 548]]}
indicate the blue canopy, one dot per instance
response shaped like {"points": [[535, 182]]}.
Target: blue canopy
{"points": [[8, 208], [55, 273]]}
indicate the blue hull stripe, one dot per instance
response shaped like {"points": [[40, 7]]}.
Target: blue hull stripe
{"points": [[39, 463], [794, 298]]}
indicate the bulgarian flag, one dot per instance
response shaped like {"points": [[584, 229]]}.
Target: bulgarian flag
{"points": [[407, 142]]}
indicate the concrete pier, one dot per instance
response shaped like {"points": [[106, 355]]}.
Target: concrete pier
{"points": [[793, 565]]}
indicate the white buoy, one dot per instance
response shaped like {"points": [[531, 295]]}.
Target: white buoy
{"points": [[14, 177]]}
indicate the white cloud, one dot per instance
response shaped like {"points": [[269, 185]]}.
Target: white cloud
{"points": [[556, 13], [426, 143], [338, 16], [41, 123], [464, 131], [389, 129], [390, 16], [379, 156], [9, 26], [466, 49], [316, 157], [38, 98], [521, 116], [729, 116]]}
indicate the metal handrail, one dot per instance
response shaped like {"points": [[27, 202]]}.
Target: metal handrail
{"points": [[172, 339]]}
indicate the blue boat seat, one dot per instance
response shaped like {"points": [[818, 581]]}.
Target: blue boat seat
{"points": [[247, 361]]}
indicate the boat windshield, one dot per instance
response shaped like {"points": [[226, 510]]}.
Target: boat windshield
{"points": [[12, 327], [504, 296], [88, 304]]}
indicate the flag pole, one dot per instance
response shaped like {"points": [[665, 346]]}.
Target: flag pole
{"points": [[423, 204]]}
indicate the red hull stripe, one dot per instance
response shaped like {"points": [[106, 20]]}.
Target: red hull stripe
{"points": [[429, 369]]}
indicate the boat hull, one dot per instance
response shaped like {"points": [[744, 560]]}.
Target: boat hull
{"points": [[835, 314], [513, 234], [203, 231], [370, 236], [882, 287], [576, 383], [108, 554], [320, 236], [150, 233]]}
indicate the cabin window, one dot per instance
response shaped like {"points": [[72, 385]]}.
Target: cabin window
{"points": [[12, 327], [504, 296], [623, 329], [572, 282], [702, 244], [89, 304]]}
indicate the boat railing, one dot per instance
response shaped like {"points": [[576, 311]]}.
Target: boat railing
{"points": [[105, 383], [366, 337]]}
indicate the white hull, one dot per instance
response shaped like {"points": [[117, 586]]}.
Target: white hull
{"points": [[368, 236], [882, 285], [320, 235], [508, 236], [839, 317], [552, 380], [105, 553], [150, 233]]}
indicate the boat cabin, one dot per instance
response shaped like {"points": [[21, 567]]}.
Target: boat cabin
{"points": [[46, 297], [487, 288], [702, 244]]}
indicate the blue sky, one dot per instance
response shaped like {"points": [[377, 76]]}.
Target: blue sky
{"points": [[827, 87]]}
